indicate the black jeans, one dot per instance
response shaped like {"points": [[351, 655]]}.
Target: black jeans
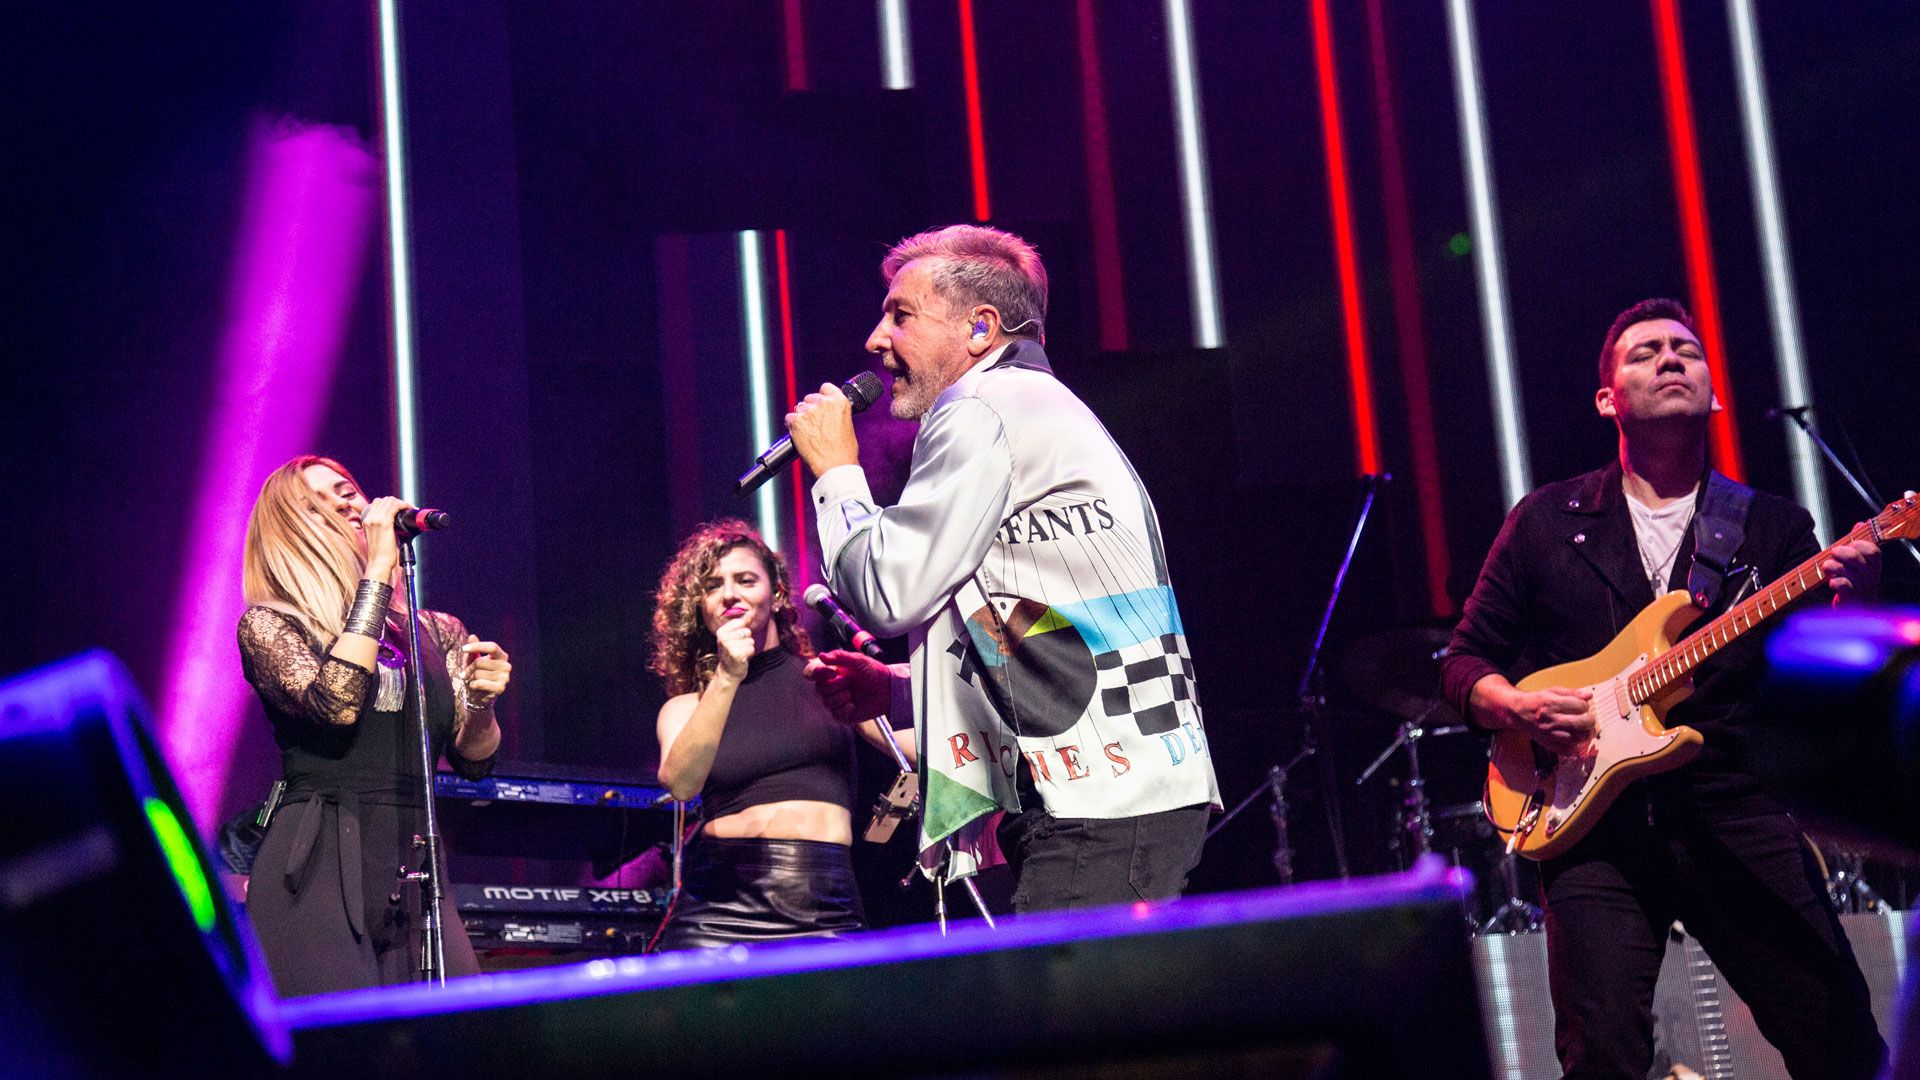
{"points": [[1065, 863], [1749, 891]]}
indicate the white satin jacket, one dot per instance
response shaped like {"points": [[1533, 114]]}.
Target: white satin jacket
{"points": [[1023, 561]]}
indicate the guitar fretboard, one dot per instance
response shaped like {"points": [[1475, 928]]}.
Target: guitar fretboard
{"points": [[1670, 667]]}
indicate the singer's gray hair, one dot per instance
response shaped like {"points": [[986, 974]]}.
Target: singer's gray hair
{"points": [[976, 264]]}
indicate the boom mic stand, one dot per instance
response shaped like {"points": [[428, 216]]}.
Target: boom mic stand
{"points": [[1311, 700], [1846, 886], [940, 881], [1861, 487], [433, 945]]}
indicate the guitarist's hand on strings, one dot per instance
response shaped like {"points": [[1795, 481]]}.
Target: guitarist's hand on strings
{"points": [[1559, 719], [1853, 572]]}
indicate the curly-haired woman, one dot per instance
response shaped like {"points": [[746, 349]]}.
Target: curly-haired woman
{"points": [[747, 732], [323, 643]]}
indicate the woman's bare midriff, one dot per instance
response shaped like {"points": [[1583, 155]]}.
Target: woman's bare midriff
{"points": [[795, 819]]}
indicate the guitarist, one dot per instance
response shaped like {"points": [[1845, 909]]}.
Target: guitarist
{"points": [[1703, 844]]}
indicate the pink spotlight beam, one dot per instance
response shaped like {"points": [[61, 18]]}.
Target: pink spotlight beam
{"points": [[298, 261]]}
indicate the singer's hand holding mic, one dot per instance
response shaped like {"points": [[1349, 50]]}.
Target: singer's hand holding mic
{"points": [[383, 545], [831, 410], [385, 523], [411, 521]]}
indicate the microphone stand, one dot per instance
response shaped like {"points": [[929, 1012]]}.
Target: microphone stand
{"points": [[1798, 414], [1311, 701], [1846, 887], [433, 946], [940, 881]]}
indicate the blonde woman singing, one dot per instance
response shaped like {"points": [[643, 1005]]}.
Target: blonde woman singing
{"points": [[324, 643]]}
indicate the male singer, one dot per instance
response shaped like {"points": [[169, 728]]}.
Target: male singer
{"points": [[1703, 844], [1050, 676]]}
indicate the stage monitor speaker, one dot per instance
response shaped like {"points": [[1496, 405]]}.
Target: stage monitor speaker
{"points": [[119, 954], [1362, 980]]}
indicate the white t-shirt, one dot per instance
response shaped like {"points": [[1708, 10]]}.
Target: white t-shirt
{"points": [[1659, 533]]}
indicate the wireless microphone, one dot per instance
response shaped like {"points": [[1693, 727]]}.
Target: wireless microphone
{"points": [[862, 390], [413, 521], [822, 601]]}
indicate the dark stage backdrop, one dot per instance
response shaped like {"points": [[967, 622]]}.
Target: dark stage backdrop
{"points": [[580, 175]]}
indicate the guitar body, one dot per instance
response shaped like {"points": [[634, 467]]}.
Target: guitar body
{"points": [[1554, 801], [1542, 803]]}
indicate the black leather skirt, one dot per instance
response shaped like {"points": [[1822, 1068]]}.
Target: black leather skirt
{"points": [[746, 891]]}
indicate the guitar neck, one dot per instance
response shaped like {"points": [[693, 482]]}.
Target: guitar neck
{"points": [[1676, 664]]}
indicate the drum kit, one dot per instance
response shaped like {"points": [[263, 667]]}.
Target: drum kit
{"points": [[1396, 673]]}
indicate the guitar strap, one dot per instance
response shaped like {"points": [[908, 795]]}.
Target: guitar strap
{"points": [[1719, 527]]}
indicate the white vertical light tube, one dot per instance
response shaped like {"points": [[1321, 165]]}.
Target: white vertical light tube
{"points": [[896, 46], [1202, 273], [1809, 486], [759, 396], [1510, 428], [399, 251], [400, 263]]}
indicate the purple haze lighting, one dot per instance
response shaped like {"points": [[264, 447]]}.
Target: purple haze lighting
{"points": [[302, 247]]}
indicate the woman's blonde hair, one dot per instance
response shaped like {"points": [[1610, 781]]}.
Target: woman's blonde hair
{"points": [[302, 559], [685, 652]]}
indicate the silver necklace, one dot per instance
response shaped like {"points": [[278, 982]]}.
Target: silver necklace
{"points": [[1659, 575]]}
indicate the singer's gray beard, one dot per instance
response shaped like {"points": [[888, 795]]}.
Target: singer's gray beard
{"points": [[918, 400]]}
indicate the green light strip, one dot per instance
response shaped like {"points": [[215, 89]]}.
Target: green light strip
{"points": [[183, 861]]}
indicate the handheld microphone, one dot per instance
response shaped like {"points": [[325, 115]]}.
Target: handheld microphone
{"points": [[822, 601], [862, 390], [413, 521]]}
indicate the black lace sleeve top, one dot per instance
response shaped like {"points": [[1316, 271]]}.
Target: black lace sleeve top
{"points": [[338, 724]]}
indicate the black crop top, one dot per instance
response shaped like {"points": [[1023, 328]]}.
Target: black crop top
{"points": [[780, 743]]}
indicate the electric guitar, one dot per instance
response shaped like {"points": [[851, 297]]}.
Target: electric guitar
{"points": [[1542, 802]]}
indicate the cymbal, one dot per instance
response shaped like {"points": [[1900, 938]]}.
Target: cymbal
{"points": [[1397, 672]]}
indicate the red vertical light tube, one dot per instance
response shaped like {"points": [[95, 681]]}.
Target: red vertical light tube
{"points": [[800, 573], [1408, 322], [1695, 240], [794, 26], [976, 128], [1365, 433], [1108, 289]]}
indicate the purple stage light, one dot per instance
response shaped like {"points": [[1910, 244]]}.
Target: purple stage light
{"points": [[302, 246]]}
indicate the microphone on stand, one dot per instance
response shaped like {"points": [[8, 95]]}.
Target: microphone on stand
{"points": [[862, 390], [822, 601], [413, 521], [1795, 411]]}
